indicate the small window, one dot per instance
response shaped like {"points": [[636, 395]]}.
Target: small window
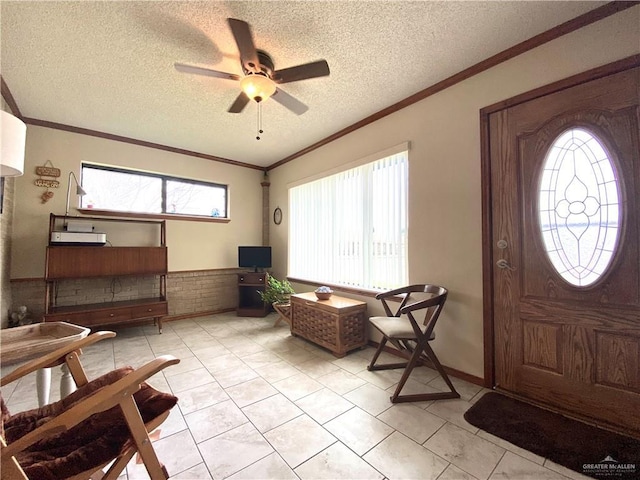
{"points": [[579, 207], [131, 191]]}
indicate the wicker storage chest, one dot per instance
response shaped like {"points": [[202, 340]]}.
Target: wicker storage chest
{"points": [[337, 324]]}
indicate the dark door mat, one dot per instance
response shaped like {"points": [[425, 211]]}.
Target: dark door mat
{"points": [[576, 445]]}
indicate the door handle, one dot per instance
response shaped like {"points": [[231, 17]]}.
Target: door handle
{"points": [[504, 264]]}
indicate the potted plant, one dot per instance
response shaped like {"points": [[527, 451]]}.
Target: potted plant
{"points": [[278, 293]]}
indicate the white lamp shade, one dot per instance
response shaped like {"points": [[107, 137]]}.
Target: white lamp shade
{"points": [[257, 86], [14, 134]]}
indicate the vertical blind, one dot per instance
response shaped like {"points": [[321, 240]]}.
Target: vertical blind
{"points": [[351, 228]]}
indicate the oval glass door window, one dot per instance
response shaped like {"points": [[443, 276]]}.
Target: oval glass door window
{"points": [[579, 207]]}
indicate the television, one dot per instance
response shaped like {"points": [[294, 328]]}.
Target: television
{"points": [[254, 257]]}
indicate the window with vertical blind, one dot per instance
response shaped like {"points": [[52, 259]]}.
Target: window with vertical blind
{"points": [[350, 228]]}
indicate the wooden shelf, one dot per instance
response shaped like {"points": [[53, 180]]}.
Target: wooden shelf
{"points": [[85, 262], [88, 262]]}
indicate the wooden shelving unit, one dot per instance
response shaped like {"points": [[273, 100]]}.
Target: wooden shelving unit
{"points": [[78, 262], [249, 302]]}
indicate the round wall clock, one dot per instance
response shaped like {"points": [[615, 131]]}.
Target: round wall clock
{"points": [[277, 216]]}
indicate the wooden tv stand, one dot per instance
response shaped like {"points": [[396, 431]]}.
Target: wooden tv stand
{"points": [[249, 302], [84, 262]]}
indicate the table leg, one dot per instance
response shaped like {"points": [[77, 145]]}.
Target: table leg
{"points": [[67, 383], [43, 385]]}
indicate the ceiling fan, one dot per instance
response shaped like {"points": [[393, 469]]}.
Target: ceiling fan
{"points": [[260, 79]]}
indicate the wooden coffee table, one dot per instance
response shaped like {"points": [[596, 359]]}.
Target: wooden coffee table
{"points": [[24, 343]]}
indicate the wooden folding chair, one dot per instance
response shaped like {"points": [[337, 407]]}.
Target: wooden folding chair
{"points": [[403, 331], [106, 421]]}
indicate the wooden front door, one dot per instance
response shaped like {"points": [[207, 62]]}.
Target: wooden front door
{"points": [[565, 215]]}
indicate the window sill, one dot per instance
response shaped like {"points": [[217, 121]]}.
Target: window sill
{"points": [[338, 288], [156, 216]]}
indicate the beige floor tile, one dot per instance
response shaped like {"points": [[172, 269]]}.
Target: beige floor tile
{"points": [[261, 359], [316, 367], [234, 450], [221, 363], [220, 331], [320, 394], [513, 466], [454, 473], [412, 421], [244, 347], [201, 397], [187, 363], [210, 352], [178, 351], [565, 471], [299, 439], [296, 355], [341, 381], [337, 461], [297, 386], [466, 451], [188, 380], [466, 390], [277, 371], [413, 387], [271, 467], [235, 376], [324, 405], [398, 457], [424, 374], [369, 398], [381, 378], [251, 391], [453, 411], [173, 424], [511, 447], [214, 420], [199, 472], [352, 363], [271, 412], [358, 430], [177, 452]]}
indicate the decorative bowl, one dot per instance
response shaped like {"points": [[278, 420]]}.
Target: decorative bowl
{"points": [[323, 293]]}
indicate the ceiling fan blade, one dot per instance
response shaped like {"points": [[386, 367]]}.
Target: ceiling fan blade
{"points": [[239, 104], [181, 67], [292, 103], [302, 72], [242, 34]]}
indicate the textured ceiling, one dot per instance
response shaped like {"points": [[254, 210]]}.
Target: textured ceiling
{"points": [[108, 66]]}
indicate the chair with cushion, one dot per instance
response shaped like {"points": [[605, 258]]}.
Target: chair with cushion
{"points": [[105, 421], [410, 336]]}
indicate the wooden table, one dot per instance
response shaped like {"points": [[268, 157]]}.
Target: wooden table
{"points": [[338, 323], [23, 343]]}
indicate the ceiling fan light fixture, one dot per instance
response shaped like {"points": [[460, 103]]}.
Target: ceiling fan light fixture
{"points": [[257, 86]]}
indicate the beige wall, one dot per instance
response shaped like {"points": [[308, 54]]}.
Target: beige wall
{"points": [[445, 185], [192, 245]]}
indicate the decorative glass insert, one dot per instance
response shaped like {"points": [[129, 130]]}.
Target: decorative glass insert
{"points": [[579, 207]]}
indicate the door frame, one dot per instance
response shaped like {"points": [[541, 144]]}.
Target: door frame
{"points": [[486, 191]]}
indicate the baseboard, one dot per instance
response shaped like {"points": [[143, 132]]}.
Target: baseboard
{"points": [[173, 318], [450, 371]]}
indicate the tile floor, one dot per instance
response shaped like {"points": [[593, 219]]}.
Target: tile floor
{"points": [[257, 403]]}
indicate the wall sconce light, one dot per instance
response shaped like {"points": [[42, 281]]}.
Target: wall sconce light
{"points": [[79, 191], [14, 134]]}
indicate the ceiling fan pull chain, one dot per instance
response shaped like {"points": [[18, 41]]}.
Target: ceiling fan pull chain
{"points": [[259, 120]]}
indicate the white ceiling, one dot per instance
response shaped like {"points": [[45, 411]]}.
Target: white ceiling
{"points": [[108, 66]]}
